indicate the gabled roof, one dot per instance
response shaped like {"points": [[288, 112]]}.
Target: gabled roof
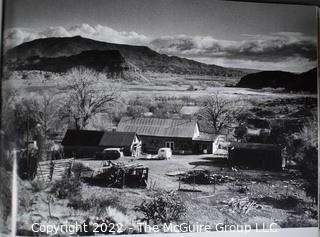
{"points": [[82, 138], [205, 127], [117, 139], [158, 127], [206, 137], [97, 138]]}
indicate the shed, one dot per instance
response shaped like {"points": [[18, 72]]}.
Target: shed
{"points": [[85, 143], [125, 140], [256, 156]]}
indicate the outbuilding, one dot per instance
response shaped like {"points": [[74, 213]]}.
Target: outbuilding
{"points": [[85, 143], [256, 156]]}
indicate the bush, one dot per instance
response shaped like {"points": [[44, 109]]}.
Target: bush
{"points": [[38, 185], [96, 204], [303, 148], [66, 187], [297, 221], [309, 162], [5, 193], [136, 111], [165, 207], [108, 223]]}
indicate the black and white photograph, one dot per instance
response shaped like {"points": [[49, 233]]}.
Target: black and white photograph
{"points": [[158, 116]]}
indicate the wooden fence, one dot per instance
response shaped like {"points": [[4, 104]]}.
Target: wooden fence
{"points": [[54, 169]]}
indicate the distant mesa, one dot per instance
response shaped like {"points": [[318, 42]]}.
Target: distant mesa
{"points": [[306, 81], [142, 58], [110, 61]]}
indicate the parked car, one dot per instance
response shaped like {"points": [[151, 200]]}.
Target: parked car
{"points": [[164, 153], [110, 154]]}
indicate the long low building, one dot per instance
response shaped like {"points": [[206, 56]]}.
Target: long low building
{"points": [[85, 143], [181, 135], [256, 156]]}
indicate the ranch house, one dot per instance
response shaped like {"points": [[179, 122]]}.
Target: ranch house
{"points": [[183, 136]]}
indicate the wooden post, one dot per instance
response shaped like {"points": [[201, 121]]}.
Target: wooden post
{"points": [[194, 181], [80, 170], [49, 209], [51, 170], [233, 187], [123, 178]]}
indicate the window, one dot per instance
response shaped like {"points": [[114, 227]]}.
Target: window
{"points": [[170, 145]]}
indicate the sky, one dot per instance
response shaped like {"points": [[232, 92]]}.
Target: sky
{"points": [[230, 34]]}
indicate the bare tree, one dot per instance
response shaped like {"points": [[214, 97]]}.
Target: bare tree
{"points": [[88, 94], [220, 113]]}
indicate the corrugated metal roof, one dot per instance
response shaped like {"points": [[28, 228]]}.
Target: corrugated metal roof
{"points": [[158, 127], [117, 139]]}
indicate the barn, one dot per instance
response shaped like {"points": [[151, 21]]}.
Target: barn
{"points": [[181, 135], [256, 156], [85, 143]]}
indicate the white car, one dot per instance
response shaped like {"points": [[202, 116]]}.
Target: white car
{"points": [[110, 154], [164, 153]]}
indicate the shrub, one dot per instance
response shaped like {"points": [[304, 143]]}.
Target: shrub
{"points": [[165, 207], [66, 187], [95, 204], [303, 147], [297, 221], [38, 185], [136, 111], [112, 216], [309, 163], [5, 193]]}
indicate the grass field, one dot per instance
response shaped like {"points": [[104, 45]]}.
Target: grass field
{"points": [[157, 85]]}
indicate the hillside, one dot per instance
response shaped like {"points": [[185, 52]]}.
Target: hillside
{"points": [[108, 61], [306, 81], [140, 57]]}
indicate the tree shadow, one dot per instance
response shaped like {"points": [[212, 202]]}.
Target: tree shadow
{"points": [[206, 161]]}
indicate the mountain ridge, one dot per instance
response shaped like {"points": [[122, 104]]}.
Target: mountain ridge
{"points": [[142, 57]]}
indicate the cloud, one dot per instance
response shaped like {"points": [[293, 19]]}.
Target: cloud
{"points": [[291, 64], [290, 51], [16, 36], [276, 46]]}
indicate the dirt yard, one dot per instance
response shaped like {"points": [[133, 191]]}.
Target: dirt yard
{"points": [[277, 197]]}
